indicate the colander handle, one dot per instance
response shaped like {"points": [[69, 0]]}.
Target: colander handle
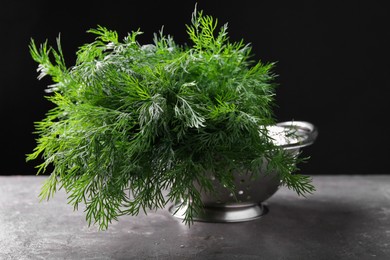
{"points": [[305, 129]]}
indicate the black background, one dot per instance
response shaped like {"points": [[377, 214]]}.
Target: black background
{"points": [[332, 62]]}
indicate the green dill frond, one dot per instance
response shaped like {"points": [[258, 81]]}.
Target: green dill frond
{"points": [[131, 121]]}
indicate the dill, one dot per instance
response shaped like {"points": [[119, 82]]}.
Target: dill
{"points": [[131, 121]]}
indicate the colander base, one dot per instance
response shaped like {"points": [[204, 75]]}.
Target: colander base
{"points": [[222, 214]]}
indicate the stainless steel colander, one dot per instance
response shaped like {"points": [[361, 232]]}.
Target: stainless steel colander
{"points": [[246, 203]]}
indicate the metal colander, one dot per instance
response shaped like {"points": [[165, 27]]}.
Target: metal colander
{"points": [[246, 202]]}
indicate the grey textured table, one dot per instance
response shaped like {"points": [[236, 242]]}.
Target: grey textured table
{"points": [[348, 217]]}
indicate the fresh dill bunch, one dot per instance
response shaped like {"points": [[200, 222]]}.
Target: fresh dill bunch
{"points": [[131, 121]]}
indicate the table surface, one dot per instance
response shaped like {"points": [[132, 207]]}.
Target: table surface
{"points": [[348, 217]]}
